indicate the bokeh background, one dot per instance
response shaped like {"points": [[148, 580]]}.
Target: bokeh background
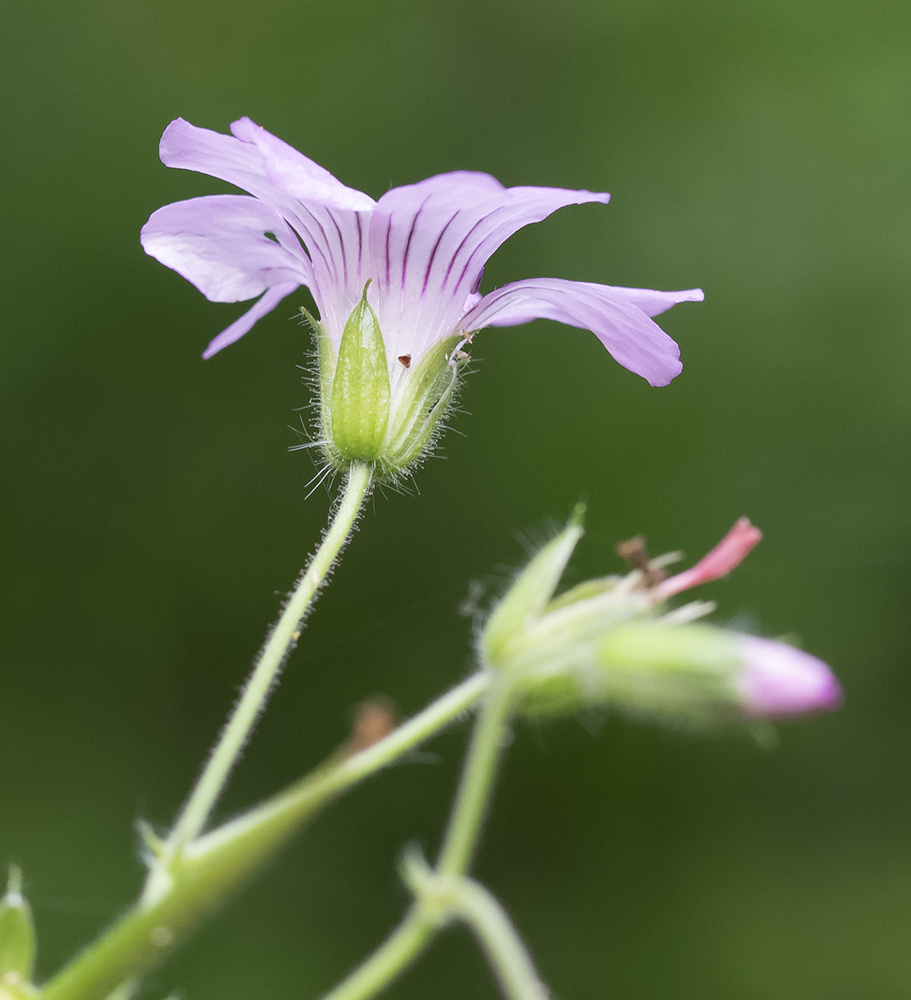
{"points": [[152, 514]]}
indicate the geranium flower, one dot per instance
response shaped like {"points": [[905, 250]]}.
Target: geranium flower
{"points": [[408, 265]]}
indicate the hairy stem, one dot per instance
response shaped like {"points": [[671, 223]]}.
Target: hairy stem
{"points": [[215, 865], [195, 814], [433, 907], [476, 783]]}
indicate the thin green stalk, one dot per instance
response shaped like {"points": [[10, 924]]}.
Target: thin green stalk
{"points": [[505, 951], [396, 953], [329, 781], [476, 783], [215, 865], [195, 814], [403, 946]]}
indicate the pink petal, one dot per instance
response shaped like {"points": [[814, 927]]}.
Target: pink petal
{"points": [[429, 242], [298, 174], [219, 244], [243, 325], [610, 313], [727, 554], [778, 679], [223, 156], [260, 163], [654, 303]]}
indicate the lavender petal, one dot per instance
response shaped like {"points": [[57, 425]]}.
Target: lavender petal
{"points": [[622, 326], [242, 325], [219, 243]]}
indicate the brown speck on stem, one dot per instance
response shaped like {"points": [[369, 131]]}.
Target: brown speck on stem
{"points": [[405, 360], [371, 720]]}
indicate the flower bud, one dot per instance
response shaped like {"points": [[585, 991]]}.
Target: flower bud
{"points": [[777, 679], [379, 409], [692, 674], [609, 642], [17, 935]]}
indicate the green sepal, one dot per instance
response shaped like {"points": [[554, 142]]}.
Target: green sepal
{"points": [[669, 649], [681, 673], [359, 394], [17, 934], [583, 591], [527, 598], [423, 401], [153, 844], [325, 361]]}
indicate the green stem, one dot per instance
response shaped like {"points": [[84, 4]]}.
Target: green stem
{"points": [[505, 951], [414, 933], [195, 814], [213, 866], [327, 782], [396, 953], [476, 783]]}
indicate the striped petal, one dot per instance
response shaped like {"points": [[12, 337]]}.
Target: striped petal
{"points": [[429, 242], [243, 325], [297, 174], [619, 318], [220, 244], [319, 207]]}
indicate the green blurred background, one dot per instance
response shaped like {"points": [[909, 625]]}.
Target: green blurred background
{"points": [[152, 514]]}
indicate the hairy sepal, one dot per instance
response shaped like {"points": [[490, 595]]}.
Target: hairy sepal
{"points": [[360, 391]]}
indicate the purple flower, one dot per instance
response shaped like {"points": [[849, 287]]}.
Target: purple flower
{"points": [[422, 247], [777, 679], [396, 281]]}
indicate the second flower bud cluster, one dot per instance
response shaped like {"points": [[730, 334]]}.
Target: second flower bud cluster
{"points": [[613, 642]]}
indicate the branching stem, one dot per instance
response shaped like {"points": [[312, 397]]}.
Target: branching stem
{"points": [[440, 891], [214, 865]]}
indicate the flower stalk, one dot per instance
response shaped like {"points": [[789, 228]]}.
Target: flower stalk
{"points": [[445, 892], [215, 865], [195, 814], [476, 784], [482, 912]]}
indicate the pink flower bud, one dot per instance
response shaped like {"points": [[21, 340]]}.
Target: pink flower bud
{"points": [[778, 679], [727, 554]]}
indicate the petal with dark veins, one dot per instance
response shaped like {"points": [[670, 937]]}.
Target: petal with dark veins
{"points": [[219, 243], [611, 314]]}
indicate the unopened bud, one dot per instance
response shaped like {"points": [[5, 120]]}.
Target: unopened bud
{"points": [[778, 679], [692, 674], [605, 642]]}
